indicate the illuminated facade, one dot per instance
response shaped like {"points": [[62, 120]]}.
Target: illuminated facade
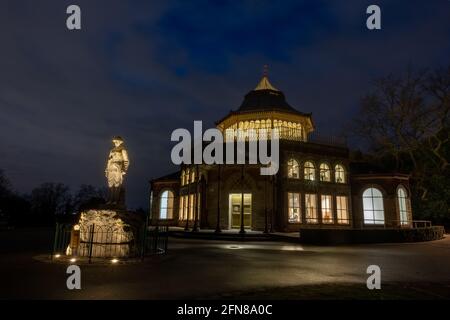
{"points": [[316, 185]]}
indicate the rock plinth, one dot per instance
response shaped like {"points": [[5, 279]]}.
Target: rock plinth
{"points": [[111, 232]]}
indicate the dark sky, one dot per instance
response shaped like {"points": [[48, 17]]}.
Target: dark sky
{"points": [[140, 69]]}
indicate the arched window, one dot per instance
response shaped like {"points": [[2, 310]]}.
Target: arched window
{"points": [[192, 176], [293, 169], [310, 171], [403, 205], [325, 172], [166, 205], [339, 174], [373, 206]]}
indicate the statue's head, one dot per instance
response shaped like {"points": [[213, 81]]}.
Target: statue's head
{"points": [[117, 141]]}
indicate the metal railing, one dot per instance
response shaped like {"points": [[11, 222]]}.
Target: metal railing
{"points": [[392, 224], [366, 223], [108, 242]]}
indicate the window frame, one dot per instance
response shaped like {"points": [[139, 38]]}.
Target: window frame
{"points": [[291, 206], [339, 210], [343, 172], [330, 208], [373, 210], [291, 172], [168, 209], [327, 170], [311, 171], [406, 203], [315, 218]]}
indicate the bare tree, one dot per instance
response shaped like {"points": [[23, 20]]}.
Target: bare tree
{"points": [[407, 118], [50, 199], [88, 196]]}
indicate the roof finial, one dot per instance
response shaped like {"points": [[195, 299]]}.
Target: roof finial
{"points": [[266, 71], [264, 83]]}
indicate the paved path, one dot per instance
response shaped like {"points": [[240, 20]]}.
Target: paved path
{"points": [[202, 269]]}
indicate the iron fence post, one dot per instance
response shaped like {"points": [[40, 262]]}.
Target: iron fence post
{"points": [[155, 239], [91, 240], [55, 240], [166, 239], [143, 242]]}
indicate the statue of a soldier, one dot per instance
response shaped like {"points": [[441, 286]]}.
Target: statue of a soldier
{"points": [[116, 168]]}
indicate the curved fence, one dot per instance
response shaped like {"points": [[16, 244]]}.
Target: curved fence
{"points": [[109, 242]]}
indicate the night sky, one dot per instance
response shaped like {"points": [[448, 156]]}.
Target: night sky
{"points": [[141, 69]]}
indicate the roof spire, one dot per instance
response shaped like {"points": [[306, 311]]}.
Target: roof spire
{"points": [[264, 83]]}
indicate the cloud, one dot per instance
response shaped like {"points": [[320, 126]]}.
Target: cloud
{"points": [[143, 68]]}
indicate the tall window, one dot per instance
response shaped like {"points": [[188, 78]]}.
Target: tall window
{"points": [[293, 169], [403, 205], [373, 206], [191, 206], [294, 207], [325, 172], [192, 176], [199, 205], [310, 171], [186, 176], [311, 208], [166, 205], [342, 209], [327, 213], [181, 208], [339, 173], [182, 178], [186, 207]]}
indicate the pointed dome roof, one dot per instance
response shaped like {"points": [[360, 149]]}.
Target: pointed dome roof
{"points": [[265, 97], [265, 84], [266, 102]]}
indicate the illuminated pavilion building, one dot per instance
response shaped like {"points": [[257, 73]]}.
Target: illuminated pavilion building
{"points": [[316, 186]]}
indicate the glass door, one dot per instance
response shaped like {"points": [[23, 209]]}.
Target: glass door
{"points": [[235, 210]]}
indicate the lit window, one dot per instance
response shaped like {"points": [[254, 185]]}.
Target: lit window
{"points": [[166, 205], [294, 207], [310, 171], [327, 213], [186, 207], [198, 205], [186, 176], [339, 174], [403, 205], [182, 177], [293, 169], [192, 176], [373, 206], [191, 206], [342, 209], [181, 208], [325, 172], [311, 208]]}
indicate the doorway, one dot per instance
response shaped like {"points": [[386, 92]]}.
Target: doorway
{"points": [[235, 210]]}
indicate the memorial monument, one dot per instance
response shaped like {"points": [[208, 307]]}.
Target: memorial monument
{"points": [[116, 168], [108, 230]]}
